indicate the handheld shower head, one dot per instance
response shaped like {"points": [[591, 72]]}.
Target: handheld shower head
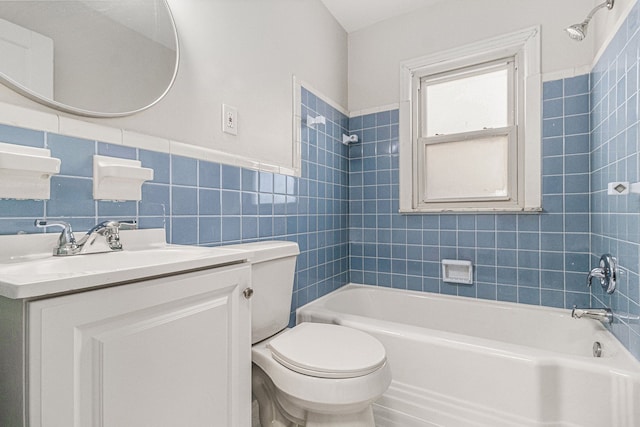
{"points": [[579, 31]]}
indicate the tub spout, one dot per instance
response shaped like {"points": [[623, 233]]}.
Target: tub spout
{"points": [[605, 315]]}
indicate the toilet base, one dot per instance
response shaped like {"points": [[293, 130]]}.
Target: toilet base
{"points": [[269, 410], [360, 419], [276, 410]]}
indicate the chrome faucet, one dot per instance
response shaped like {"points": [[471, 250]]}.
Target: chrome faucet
{"points": [[605, 315], [104, 237], [607, 272], [67, 244]]}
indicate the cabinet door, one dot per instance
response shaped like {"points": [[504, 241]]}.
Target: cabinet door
{"points": [[173, 351]]}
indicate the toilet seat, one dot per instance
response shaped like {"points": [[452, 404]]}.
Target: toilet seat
{"points": [[328, 351]]}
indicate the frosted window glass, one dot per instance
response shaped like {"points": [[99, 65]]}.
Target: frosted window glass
{"points": [[467, 104], [475, 168]]}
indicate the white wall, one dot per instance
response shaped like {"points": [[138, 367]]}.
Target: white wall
{"points": [[375, 52], [242, 53]]}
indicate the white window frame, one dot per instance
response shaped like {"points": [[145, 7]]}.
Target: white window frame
{"points": [[421, 81], [525, 133]]}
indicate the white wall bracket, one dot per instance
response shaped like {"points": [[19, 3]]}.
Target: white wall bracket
{"points": [[118, 179], [349, 139], [319, 120], [25, 172]]}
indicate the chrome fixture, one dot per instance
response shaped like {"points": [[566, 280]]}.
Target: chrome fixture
{"points": [[67, 244], [607, 272], [605, 315], [597, 349], [104, 237], [105, 232], [579, 31]]}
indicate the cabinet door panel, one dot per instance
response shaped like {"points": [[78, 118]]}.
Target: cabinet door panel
{"points": [[165, 352]]}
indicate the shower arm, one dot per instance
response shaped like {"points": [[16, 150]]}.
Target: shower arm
{"points": [[608, 4]]}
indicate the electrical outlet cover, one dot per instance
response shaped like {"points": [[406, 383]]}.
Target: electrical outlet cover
{"points": [[229, 119]]}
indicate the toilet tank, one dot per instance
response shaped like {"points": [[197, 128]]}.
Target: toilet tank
{"points": [[273, 266]]}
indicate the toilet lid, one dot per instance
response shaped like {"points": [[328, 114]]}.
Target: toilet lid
{"points": [[328, 351]]}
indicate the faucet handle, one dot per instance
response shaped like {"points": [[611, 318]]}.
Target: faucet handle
{"points": [[107, 232], [127, 225], [598, 272], [113, 226], [113, 237], [607, 272], [67, 244], [43, 223]]}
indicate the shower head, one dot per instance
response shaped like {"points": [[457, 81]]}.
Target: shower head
{"points": [[579, 31]]}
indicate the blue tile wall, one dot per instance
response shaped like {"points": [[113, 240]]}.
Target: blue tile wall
{"points": [[614, 157], [342, 211], [590, 138], [525, 258], [205, 203]]}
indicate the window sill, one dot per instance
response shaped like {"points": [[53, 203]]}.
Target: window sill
{"points": [[469, 211]]}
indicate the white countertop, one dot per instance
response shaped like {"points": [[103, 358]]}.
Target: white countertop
{"points": [[28, 269]]}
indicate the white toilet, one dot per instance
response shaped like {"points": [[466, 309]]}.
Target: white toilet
{"points": [[314, 374]]}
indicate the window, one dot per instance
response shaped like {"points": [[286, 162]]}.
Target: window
{"points": [[465, 141]]}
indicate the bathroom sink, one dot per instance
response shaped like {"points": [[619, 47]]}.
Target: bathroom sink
{"points": [[28, 269]]}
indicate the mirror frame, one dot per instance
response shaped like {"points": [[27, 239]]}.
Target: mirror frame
{"points": [[34, 96]]}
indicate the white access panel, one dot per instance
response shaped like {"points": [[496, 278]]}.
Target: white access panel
{"points": [[173, 351]]}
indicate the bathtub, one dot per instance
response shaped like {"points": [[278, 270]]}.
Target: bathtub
{"points": [[464, 362]]}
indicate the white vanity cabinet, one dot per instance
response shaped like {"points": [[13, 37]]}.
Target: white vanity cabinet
{"points": [[169, 351]]}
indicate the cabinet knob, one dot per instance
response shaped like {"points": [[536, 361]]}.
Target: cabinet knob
{"points": [[248, 293]]}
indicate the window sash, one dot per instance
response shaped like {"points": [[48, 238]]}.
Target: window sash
{"points": [[426, 80], [509, 132]]}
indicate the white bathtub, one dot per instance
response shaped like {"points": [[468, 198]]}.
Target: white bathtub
{"points": [[465, 362]]}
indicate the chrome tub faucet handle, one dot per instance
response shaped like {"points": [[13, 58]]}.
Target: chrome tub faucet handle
{"points": [[607, 272], [595, 272]]}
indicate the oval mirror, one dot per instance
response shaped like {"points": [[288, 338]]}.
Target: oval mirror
{"points": [[96, 58]]}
